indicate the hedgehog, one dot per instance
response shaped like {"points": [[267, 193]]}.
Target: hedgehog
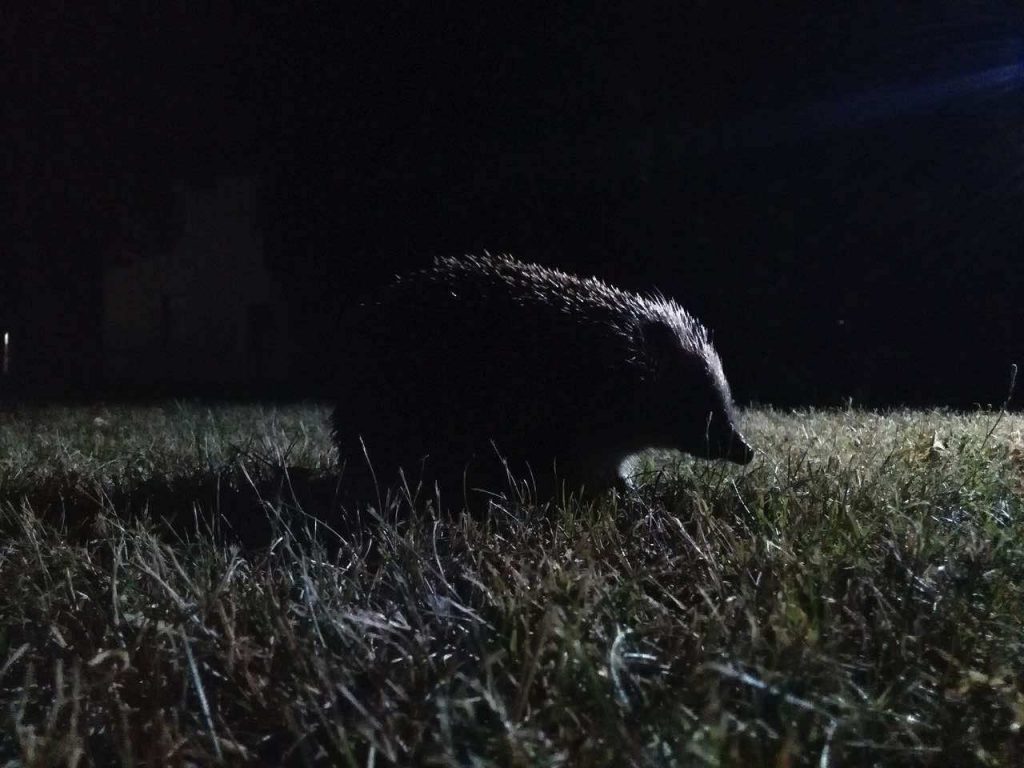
{"points": [[483, 369]]}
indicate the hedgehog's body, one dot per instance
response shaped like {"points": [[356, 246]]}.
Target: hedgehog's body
{"points": [[474, 359]]}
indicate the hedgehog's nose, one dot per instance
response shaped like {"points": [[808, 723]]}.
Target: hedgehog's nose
{"points": [[739, 451]]}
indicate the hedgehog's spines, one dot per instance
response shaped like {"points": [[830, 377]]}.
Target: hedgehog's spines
{"points": [[575, 295]]}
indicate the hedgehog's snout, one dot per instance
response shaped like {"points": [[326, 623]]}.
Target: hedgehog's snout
{"points": [[739, 450], [724, 441]]}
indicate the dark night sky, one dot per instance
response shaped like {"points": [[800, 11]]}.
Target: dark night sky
{"points": [[836, 190]]}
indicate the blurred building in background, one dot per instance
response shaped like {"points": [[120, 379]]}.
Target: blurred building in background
{"points": [[190, 302]]}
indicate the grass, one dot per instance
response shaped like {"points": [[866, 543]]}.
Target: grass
{"points": [[178, 586]]}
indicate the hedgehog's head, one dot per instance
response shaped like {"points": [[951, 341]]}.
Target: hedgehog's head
{"points": [[685, 397]]}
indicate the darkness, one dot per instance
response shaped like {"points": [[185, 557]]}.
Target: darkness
{"points": [[836, 190]]}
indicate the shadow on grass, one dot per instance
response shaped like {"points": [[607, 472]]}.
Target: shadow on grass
{"points": [[232, 506], [254, 502]]}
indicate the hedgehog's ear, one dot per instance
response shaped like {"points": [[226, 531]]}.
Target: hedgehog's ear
{"points": [[661, 344]]}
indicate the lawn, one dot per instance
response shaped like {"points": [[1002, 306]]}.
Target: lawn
{"points": [[178, 585]]}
